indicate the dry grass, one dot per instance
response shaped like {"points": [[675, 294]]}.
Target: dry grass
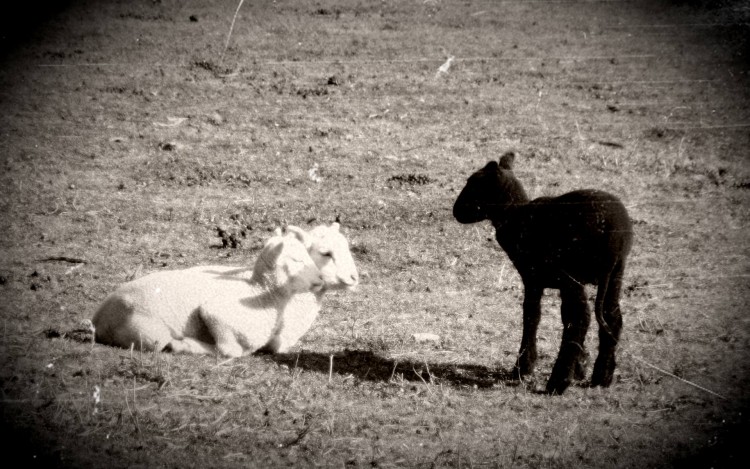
{"points": [[130, 132]]}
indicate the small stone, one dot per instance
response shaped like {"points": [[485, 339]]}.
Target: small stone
{"points": [[423, 337]]}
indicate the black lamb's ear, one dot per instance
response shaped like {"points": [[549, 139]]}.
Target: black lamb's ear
{"points": [[506, 161], [491, 166]]}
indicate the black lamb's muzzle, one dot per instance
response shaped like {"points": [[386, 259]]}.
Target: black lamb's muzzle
{"points": [[466, 213]]}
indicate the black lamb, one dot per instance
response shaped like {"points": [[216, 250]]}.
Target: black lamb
{"points": [[565, 242]]}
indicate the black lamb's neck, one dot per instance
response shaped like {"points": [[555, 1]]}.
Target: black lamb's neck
{"points": [[506, 214]]}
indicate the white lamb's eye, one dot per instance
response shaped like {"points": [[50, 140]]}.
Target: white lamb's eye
{"points": [[327, 254]]}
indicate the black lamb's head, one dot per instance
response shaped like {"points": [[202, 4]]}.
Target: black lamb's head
{"points": [[489, 191]]}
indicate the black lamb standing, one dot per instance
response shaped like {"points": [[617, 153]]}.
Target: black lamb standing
{"points": [[565, 242]]}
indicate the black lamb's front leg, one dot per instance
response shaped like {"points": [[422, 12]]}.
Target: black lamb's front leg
{"points": [[532, 312]]}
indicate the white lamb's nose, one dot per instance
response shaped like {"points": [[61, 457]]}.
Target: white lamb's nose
{"points": [[318, 284], [353, 280]]}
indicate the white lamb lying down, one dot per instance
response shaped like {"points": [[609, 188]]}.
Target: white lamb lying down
{"points": [[209, 309], [230, 310]]}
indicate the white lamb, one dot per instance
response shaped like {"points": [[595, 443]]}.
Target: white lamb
{"points": [[230, 310], [209, 309]]}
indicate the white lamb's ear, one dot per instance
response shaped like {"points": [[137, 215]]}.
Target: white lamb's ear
{"points": [[273, 253], [301, 235], [335, 226], [276, 233]]}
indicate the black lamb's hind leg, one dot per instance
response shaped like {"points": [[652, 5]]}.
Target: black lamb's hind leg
{"points": [[609, 329], [575, 317], [532, 312]]}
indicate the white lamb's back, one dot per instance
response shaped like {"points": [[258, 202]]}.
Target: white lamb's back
{"points": [[154, 309]]}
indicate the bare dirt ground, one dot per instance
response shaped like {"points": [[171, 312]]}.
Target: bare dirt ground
{"points": [[131, 130]]}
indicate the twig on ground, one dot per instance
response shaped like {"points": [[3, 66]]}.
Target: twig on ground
{"points": [[419, 375], [220, 418], [196, 396], [133, 416], [330, 368], [229, 34], [677, 377], [222, 363], [296, 371], [395, 364]]}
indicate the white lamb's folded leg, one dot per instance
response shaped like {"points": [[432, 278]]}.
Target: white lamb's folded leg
{"points": [[190, 345], [221, 331]]}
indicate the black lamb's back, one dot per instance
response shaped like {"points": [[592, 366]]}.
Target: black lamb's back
{"points": [[576, 235]]}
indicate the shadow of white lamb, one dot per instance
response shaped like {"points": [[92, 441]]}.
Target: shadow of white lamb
{"points": [[215, 309]]}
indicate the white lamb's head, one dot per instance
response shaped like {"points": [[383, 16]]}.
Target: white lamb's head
{"points": [[285, 262], [329, 249]]}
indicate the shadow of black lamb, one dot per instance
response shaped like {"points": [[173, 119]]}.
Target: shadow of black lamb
{"points": [[565, 242], [365, 365]]}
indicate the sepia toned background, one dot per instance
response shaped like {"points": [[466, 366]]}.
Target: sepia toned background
{"points": [[131, 131]]}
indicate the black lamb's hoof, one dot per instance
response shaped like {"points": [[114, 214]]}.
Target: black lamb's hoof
{"points": [[603, 373], [601, 379], [562, 375], [523, 368], [557, 387]]}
